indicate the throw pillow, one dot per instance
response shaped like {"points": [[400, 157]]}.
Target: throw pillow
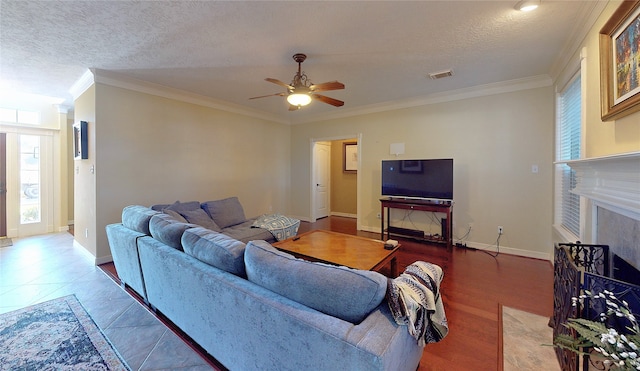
{"points": [[184, 206], [175, 215], [349, 294], [215, 249], [201, 218], [226, 212], [167, 230]]}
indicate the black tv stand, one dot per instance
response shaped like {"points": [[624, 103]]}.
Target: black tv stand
{"points": [[445, 207]]}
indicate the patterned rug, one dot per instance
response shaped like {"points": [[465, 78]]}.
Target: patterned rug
{"points": [[54, 335], [523, 336]]}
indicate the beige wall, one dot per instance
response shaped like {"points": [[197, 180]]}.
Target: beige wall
{"points": [[344, 192], [84, 181], [150, 149], [69, 171], [494, 140]]}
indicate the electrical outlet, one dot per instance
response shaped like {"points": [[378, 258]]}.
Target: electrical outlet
{"points": [[500, 229], [378, 215]]}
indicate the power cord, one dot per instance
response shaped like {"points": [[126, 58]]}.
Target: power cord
{"points": [[465, 236], [497, 244]]}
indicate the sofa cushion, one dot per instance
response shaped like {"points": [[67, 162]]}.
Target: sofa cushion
{"points": [[168, 230], [226, 212], [136, 217], [215, 249], [342, 292], [201, 218]]}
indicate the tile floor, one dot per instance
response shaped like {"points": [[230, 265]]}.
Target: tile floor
{"points": [[41, 268]]}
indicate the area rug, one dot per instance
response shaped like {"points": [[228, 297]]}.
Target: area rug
{"points": [[525, 341], [5, 242], [54, 335]]}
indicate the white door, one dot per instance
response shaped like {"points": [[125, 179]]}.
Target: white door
{"points": [[321, 178]]}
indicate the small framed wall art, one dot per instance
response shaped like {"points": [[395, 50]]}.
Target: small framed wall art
{"points": [[619, 68], [350, 157], [80, 141]]}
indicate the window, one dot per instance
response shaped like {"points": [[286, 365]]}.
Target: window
{"points": [[568, 137], [30, 208], [14, 116]]}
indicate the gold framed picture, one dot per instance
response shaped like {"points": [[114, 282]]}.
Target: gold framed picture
{"points": [[620, 62]]}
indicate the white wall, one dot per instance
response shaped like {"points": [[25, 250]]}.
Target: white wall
{"points": [[152, 150], [494, 141]]}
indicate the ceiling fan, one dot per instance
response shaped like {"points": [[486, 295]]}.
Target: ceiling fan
{"points": [[301, 91]]}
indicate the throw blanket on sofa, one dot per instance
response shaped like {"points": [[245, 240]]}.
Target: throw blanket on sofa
{"points": [[414, 300], [280, 226]]}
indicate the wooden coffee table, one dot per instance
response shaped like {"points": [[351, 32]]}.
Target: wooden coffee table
{"points": [[341, 249]]}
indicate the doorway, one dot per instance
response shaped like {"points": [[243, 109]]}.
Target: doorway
{"points": [[327, 173], [27, 172]]}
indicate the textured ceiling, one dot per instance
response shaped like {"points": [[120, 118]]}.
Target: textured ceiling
{"points": [[382, 51]]}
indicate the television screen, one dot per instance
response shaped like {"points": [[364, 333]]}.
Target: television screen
{"points": [[426, 179]]}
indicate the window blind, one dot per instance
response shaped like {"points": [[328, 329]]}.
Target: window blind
{"points": [[568, 137]]}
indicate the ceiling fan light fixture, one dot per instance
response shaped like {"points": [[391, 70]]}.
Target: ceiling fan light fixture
{"points": [[527, 5], [299, 99]]}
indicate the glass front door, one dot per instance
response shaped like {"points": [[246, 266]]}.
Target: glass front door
{"points": [[33, 173], [30, 204]]}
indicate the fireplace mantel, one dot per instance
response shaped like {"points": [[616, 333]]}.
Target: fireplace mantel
{"points": [[612, 182]]}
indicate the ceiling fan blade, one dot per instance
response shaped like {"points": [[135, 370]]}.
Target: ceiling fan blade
{"points": [[270, 95], [325, 99], [278, 82], [325, 86]]}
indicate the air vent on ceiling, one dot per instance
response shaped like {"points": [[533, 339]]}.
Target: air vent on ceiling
{"points": [[441, 74]]}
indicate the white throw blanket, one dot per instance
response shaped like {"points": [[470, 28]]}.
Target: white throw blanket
{"points": [[280, 226], [414, 300]]}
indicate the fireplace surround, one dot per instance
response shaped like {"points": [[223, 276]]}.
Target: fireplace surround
{"points": [[610, 190]]}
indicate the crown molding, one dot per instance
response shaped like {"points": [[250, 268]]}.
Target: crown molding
{"points": [[508, 86], [586, 19], [121, 81], [84, 82]]}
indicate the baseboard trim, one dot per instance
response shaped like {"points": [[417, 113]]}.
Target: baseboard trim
{"points": [[345, 215], [489, 248], [510, 251], [103, 260]]}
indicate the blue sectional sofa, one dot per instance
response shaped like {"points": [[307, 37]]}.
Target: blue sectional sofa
{"points": [[253, 307]]}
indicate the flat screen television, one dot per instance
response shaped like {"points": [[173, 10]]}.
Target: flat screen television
{"points": [[421, 179]]}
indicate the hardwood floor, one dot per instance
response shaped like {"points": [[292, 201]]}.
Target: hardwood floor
{"points": [[474, 286]]}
